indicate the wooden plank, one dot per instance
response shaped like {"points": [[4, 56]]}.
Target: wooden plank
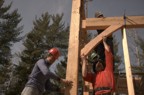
{"points": [[82, 10], [127, 64], [83, 32], [83, 41], [103, 23], [73, 49], [94, 42]]}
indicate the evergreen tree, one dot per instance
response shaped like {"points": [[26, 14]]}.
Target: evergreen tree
{"points": [[136, 43], [61, 72], [117, 57], [139, 55], [48, 31], [9, 34]]}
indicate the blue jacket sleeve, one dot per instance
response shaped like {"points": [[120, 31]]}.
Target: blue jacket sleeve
{"points": [[45, 70]]}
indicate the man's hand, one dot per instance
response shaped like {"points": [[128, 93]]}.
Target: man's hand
{"points": [[104, 38], [106, 46], [83, 57], [66, 82]]}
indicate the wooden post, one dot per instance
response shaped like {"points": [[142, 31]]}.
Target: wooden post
{"points": [[73, 49], [127, 64]]}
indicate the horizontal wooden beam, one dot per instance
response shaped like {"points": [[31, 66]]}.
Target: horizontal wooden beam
{"points": [[94, 42], [103, 23]]}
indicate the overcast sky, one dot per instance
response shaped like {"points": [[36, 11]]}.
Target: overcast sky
{"points": [[31, 8]]}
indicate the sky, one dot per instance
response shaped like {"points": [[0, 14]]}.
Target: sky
{"points": [[29, 9]]}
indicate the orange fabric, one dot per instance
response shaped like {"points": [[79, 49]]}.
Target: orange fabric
{"points": [[104, 78]]}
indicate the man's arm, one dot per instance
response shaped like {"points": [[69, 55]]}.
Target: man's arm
{"points": [[84, 63], [108, 55], [47, 73], [45, 70], [106, 46]]}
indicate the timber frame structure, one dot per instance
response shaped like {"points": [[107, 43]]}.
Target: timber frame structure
{"points": [[78, 41]]}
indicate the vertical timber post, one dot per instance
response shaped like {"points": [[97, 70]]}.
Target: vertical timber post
{"points": [[83, 41], [127, 64], [73, 49]]}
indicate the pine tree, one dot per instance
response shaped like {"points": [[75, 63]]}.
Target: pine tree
{"points": [[61, 72], [136, 43], [117, 57], [48, 31], [140, 55], [9, 34]]}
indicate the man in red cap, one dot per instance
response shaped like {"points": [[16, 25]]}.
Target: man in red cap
{"points": [[39, 79]]}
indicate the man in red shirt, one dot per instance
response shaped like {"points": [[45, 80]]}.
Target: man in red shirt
{"points": [[103, 78]]}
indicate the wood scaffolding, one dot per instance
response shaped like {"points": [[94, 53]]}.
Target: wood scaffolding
{"points": [[78, 41]]}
